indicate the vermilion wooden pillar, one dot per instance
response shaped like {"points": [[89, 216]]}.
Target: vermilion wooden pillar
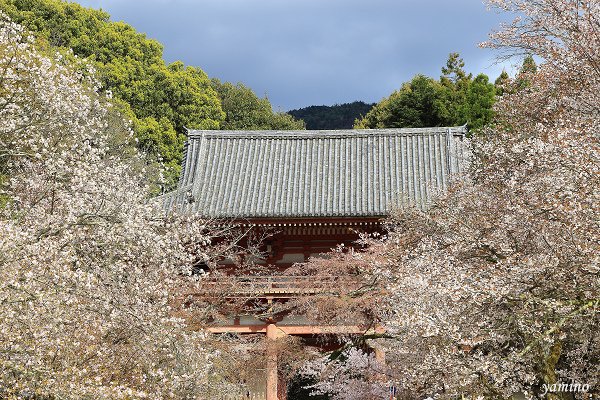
{"points": [[273, 333]]}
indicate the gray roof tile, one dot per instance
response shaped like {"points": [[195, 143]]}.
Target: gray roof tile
{"points": [[293, 174]]}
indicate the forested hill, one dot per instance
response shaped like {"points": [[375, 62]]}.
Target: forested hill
{"points": [[339, 116]]}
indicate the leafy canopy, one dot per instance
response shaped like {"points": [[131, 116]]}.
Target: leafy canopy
{"points": [[159, 99], [244, 110], [455, 99]]}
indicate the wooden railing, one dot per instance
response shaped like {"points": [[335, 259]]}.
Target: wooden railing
{"points": [[272, 286]]}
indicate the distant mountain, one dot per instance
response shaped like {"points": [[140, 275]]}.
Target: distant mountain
{"points": [[339, 116]]}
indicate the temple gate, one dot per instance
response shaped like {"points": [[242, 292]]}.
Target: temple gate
{"points": [[314, 190]]}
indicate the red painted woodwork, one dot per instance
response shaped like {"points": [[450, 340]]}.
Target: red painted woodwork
{"points": [[295, 240]]}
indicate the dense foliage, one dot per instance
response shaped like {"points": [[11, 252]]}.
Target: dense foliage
{"points": [[455, 99], [245, 111], [494, 290], [159, 99], [338, 116]]}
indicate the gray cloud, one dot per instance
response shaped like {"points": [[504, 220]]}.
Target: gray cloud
{"points": [[311, 52]]}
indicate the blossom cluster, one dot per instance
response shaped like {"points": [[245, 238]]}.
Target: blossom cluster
{"points": [[87, 265]]}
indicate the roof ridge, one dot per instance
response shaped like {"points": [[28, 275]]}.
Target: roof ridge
{"points": [[324, 134]]}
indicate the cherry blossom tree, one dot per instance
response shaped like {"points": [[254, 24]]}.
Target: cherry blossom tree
{"points": [[353, 375], [495, 289], [88, 265]]}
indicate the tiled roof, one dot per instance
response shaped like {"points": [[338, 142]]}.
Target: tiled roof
{"points": [[296, 174]]}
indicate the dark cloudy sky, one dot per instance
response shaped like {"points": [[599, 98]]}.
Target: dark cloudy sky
{"points": [[313, 52]]}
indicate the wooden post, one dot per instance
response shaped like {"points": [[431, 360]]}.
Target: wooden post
{"points": [[379, 355], [273, 333]]}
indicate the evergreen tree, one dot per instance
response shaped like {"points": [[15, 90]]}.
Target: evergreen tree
{"points": [[476, 110], [455, 82], [456, 99], [453, 73], [246, 111], [527, 70], [418, 103], [501, 81]]}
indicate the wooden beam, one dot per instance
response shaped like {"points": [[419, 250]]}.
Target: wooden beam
{"points": [[315, 330], [294, 329], [238, 329]]}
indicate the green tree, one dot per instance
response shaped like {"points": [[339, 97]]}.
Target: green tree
{"points": [[161, 100], [418, 103], [501, 81], [476, 111], [456, 99], [246, 111], [455, 82], [529, 66], [453, 74], [527, 70]]}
